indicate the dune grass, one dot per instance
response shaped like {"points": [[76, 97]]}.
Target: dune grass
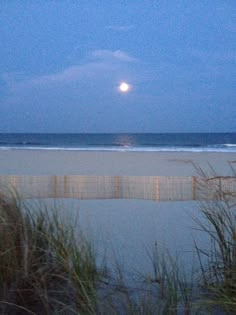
{"points": [[218, 273], [44, 267], [218, 262]]}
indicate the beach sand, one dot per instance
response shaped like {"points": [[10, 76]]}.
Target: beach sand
{"points": [[42, 162], [124, 230]]}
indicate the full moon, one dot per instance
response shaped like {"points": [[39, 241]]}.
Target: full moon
{"points": [[124, 87]]}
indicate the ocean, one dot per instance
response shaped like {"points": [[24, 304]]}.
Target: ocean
{"points": [[181, 142]]}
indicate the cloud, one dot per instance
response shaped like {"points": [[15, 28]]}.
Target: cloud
{"points": [[72, 73], [97, 67], [116, 55], [120, 28], [97, 62]]}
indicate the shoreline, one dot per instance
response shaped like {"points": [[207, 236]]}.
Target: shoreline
{"points": [[118, 149], [64, 162]]}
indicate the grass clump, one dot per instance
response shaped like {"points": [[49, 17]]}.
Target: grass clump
{"points": [[218, 263], [44, 267], [172, 286]]}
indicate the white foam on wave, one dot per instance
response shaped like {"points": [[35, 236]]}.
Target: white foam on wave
{"points": [[230, 145], [224, 148]]}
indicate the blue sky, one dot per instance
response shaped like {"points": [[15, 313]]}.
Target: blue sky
{"points": [[61, 63]]}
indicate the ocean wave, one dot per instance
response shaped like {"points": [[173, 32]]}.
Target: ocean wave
{"points": [[214, 148], [230, 145]]}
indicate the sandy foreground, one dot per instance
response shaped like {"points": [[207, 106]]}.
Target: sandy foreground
{"points": [[124, 230], [39, 162]]}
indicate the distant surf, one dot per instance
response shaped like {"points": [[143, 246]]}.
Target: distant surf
{"points": [[135, 142]]}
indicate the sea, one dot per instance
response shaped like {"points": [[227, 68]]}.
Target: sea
{"points": [[188, 142]]}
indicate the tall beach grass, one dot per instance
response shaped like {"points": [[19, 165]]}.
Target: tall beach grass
{"points": [[218, 262], [44, 267]]}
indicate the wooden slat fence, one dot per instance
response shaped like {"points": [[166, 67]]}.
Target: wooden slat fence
{"points": [[160, 188]]}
